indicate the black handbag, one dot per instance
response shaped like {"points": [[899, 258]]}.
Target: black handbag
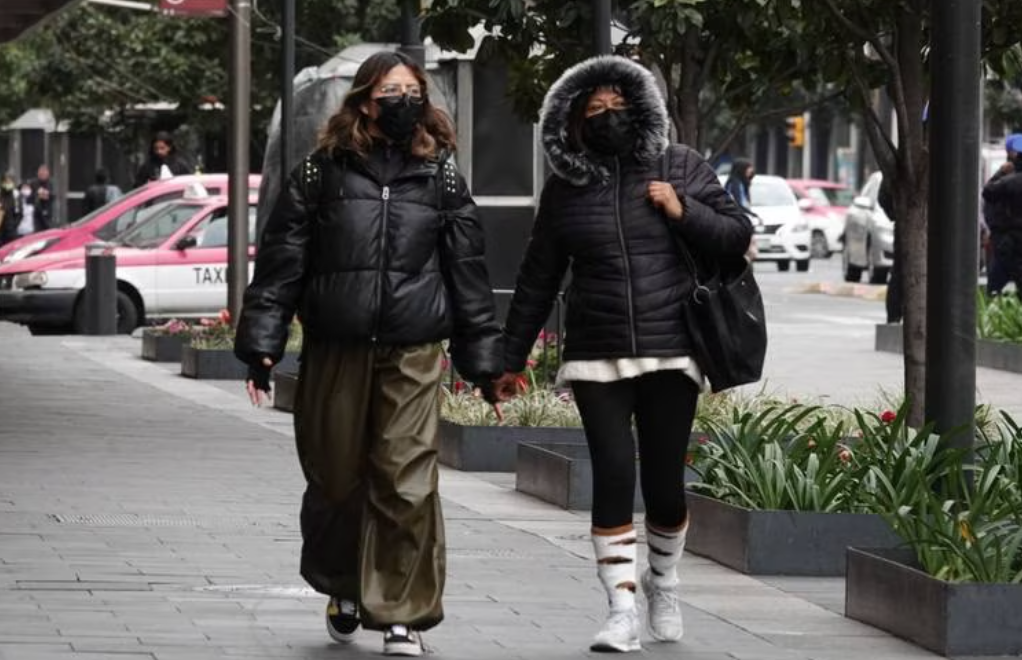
{"points": [[724, 318]]}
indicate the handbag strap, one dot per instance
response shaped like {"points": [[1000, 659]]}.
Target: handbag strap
{"points": [[665, 175]]}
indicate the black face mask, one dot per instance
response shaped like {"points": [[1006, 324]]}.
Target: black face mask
{"points": [[609, 133], [399, 116]]}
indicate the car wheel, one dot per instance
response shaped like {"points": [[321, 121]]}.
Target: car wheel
{"points": [[784, 266], [819, 249], [852, 273], [802, 266], [127, 314]]}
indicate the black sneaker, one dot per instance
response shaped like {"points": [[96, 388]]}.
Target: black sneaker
{"points": [[400, 640], [342, 620]]}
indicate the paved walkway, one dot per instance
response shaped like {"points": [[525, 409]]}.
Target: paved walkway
{"points": [[144, 516]]}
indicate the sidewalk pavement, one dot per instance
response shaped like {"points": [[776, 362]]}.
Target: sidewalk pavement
{"points": [[145, 516]]}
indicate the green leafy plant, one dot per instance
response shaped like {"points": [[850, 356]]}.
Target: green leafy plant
{"points": [[787, 457], [999, 318]]}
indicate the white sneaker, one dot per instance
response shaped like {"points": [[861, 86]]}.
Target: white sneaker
{"points": [[663, 611], [620, 633], [400, 640]]}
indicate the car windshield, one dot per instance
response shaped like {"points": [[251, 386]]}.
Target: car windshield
{"points": [[102, 209], [771, 192], [831, 196], [159, 226]]}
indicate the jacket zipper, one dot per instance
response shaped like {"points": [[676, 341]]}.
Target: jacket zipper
{"points": [[624, 254], [385, 196]]}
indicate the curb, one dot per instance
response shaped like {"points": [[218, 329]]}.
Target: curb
{"points": [[846, 290]]}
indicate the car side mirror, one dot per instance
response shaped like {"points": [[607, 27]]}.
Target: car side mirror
{"points": [[863, 202], [805, 204], [186, 242]]}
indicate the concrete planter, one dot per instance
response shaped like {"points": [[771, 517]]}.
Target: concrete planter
{"points": [[885, 589], [780, 542], [1001, 355], [562, 474], [285, 385], [158, 347], [495, 448], [221, 364]]}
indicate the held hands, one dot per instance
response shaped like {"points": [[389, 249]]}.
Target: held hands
{"points": [[258, 381], [499, 390], [665, 198]]}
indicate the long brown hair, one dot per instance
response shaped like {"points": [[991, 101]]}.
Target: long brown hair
{"points": [[348, 129]]}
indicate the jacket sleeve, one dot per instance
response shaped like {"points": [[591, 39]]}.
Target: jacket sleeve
{"points": [[476, 341], [272, 297], [713, 223], [539, 280], [999, 188]]}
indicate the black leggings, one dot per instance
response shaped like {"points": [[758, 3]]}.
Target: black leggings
{"points": [[663, 404]]}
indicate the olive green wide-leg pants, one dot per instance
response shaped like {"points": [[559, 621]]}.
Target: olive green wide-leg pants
{"points": [[366, 420]]}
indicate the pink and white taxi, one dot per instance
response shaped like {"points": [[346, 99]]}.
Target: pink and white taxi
{"points": [[111, 219], [172, 264]]}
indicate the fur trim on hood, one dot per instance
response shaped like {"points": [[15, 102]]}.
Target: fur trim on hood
{"points": [[638, 86]]}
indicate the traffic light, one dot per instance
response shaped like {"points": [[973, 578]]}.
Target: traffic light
{"points": [[796, 130]]}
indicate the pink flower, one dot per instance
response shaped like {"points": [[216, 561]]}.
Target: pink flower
{"points": [[225, 316], [460, 386], [689, 459], [531, 364], [888, 416], [845, 455]]}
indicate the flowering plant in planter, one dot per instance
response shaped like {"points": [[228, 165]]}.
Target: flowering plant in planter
{"points": [[811, 458], [172, 328], [965, 523], [218, 333]]}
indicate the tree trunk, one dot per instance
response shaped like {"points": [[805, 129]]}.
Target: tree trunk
{"points": [[911, 205], [688, 91]]}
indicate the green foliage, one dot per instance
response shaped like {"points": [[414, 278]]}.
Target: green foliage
{"points": [[966, 527], [999, 318], [93, 63], [722, 60]]}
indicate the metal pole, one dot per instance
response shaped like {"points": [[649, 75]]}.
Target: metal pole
{"points": [[287, 91], [601, 33], [238, 155], [951, 261], [411, 39]]}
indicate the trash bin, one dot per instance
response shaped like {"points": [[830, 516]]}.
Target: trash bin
{"points": [[100, 299]]}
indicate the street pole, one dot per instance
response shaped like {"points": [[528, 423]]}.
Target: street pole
{"points": [[287, 91], [952, 260], [601, 32], [238, 155], [411, 40]]}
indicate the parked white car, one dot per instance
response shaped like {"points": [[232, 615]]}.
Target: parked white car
{"points": [[782, 231], [869, 236]]}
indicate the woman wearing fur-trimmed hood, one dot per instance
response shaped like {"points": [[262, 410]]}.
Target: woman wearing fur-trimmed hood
{"points": [[608, 214]]}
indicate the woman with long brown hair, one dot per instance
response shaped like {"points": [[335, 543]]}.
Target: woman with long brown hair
{"points": [[377, 245]]}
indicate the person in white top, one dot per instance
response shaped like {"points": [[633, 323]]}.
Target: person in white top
{"points": [[608, 215]]}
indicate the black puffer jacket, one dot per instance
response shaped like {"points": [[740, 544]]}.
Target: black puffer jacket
{"points": [[364, 253], [1003, 196], [628, 279]]}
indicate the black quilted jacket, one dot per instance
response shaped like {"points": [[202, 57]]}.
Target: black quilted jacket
{"points": [[364, 254], [628, 279]]}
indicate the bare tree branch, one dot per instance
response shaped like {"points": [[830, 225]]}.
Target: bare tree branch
{"points": [[883, 146]]}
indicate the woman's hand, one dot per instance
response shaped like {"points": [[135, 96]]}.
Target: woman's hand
{"points": [[663, 197], [258, 382]]}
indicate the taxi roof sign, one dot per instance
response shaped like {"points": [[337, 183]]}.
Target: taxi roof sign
{"points": [[196, 191]]}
